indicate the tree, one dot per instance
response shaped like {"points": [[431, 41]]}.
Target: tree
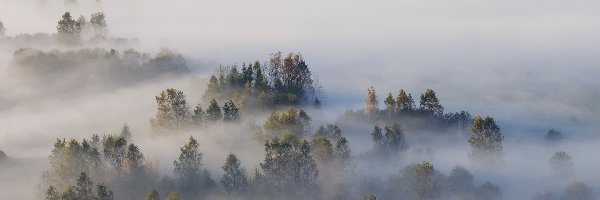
{"points": [[377, 136], [188, 168], [173, 111], [152, 195], [198, 115], [289, 167], [234, 179], [561, 164], [80, 24], [404, 101], [173, 196], [125, 132], [66, 25], [371, 101], [213, 113], [554, 136], [114, 149], [104, 193], [2, 29], [52, 194], [364, 196], [342, 152], [230, 112], [579, 191], [426, 185], [430, 103], [84, 188], [394, 138], [134, 159], [69, 194], [98, 22], [488, 191], [460, 182], [291, 121], [390, 104], [322, 150], [486, 139]]}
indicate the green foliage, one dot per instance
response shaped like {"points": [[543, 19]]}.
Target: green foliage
{"points": [[404, 102], [198, 116], [234, 180], [288, 164], [152, 195], [486, 139], [322, 150], [52, 194], [98, 22], [134, 162], [390, 103], [83, 190], [290, 122], [392, 141], [430, 103], [103, 193], [114, 151], [426, 185], [288, 81], [66, 25], [213, 113], [173, 112], [188, 170], [230, 111]]}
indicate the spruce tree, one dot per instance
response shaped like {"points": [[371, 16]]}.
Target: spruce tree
{"points": [[234, 179]]}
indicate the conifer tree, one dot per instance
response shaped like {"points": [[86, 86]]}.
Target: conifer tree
{"points": [[486, 139], [152, 195], [430, 103], [213, 113], [234, 179], [230, 111], [371, 101], [390, 103]]}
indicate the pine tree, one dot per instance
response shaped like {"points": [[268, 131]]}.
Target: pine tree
{"points": [[230, 111], [198, 115], [371, 101], [394, 138], [134, 159], [213, 113], [403, 101], [322, 150], [342, 152], [84, 188], [152, 195], [69, 194], [114, 149], [426, 186], [126, 132], [234, 179], [52, 194], [390, 104], [430, 103], [98, 22], [103, 193], [377, 136], [188, 168]]}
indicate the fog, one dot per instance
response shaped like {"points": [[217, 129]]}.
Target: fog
{"points": [[531, 65]]}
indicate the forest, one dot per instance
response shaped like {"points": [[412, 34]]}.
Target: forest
{"points": [[102, 101]]}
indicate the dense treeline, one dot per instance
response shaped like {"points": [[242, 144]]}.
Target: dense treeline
{"points": [[99, 67], [427, 116], [279, 81], [174, 114]]}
